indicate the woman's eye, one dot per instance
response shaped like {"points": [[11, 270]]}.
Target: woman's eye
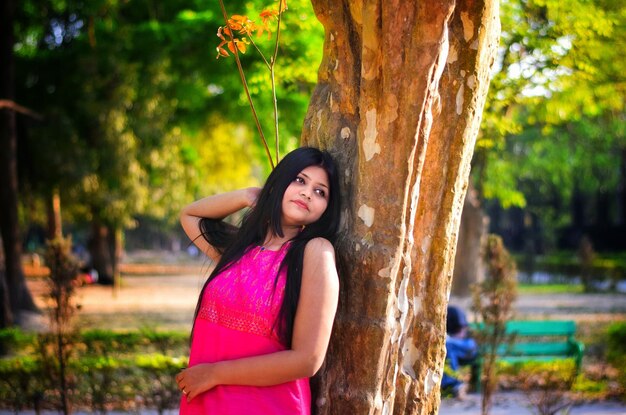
{"points": [[320, 192], [299, 180]]}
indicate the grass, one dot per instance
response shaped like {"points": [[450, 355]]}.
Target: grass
{"points": [[550, 289]]}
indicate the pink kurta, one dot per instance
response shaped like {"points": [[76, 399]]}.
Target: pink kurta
{"points": [[236, 319]]}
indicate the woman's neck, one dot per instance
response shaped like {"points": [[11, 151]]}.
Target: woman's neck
{"points": [[274, 241]]}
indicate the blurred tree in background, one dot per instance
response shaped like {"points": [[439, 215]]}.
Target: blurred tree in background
{"points": [[139, 117], [136, 107], [550, 161], [552, 140]]}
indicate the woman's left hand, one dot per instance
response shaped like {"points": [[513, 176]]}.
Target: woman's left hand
{"points": [[194, 380]]}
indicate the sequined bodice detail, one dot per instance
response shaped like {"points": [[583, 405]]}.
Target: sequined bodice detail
{"points": [[247, 297]]}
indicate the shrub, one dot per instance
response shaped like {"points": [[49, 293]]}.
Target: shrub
{"points": [[22, 384], [104, 370], [616, 351], [14, 341], [160, 389], [492, 301], [106, 342]]}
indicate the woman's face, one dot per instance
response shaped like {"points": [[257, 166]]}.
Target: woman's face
{"points": [[306, 198]]}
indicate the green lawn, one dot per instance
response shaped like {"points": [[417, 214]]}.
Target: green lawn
{"points": [[550, 288]]}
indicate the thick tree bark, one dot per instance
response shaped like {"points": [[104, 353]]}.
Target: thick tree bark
{"points": [[400, 93], [468, 261], [16, 293]]}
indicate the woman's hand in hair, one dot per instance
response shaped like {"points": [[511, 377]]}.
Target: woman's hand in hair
{"points": [[214, 207]]}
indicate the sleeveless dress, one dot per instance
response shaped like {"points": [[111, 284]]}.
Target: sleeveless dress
{"points": [[235, 320]]}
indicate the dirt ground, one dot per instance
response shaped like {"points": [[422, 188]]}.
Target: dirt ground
{"points": [[168, 302], [164, 302]]}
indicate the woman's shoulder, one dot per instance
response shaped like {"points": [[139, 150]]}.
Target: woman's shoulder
{"points": [[318, 246], [319, 260]]}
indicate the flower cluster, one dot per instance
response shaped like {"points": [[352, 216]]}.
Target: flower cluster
{"points": [[245, 27]]}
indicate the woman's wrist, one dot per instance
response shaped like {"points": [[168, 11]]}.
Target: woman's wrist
{"points": [[251, 195]]}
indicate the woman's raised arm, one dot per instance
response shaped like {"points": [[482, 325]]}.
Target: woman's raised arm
{"points": [[319, 295], [214, 207]]}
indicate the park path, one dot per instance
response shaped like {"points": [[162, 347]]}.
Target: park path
{"points": [[169, 301]]}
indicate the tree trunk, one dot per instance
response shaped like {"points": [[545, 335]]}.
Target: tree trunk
{"points": [[621, 189], [468, 262], [101, 258], [16, 293], [118, 250], [55, 228], [401, 90]]}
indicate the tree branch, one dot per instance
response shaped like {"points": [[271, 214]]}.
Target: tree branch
{"points": [[12, 106]]}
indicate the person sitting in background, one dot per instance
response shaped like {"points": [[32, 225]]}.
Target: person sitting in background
{"points": [[461, 350]]}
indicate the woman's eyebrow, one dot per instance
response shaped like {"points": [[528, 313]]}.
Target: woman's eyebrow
{"points": [[319, 183]]}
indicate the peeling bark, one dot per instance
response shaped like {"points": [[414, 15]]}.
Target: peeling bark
{"points": [[400, 92]]}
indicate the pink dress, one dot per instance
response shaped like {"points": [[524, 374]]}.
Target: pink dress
{"points": [[236, 319]]}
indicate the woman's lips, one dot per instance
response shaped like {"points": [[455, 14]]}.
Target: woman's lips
{"points": [[301, 204]]}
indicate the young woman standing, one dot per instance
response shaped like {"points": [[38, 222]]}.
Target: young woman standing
{"points": [[264, 316]]}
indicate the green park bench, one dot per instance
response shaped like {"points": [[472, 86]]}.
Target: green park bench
{"points": [[536, 340]]}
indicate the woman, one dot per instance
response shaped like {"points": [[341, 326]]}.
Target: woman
{"points": [[265, 314]]}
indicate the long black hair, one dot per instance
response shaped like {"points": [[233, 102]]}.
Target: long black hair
{"points": [[233, 242]]}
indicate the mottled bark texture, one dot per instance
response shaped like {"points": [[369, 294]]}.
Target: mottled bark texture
{"points": [[400, 93]]}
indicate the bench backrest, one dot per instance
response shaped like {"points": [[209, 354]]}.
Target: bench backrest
{"points": [[540, 338], [537, 328]]}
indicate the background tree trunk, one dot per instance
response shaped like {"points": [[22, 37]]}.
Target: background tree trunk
{"points": [[55, 224], [398, 102], [16, 293], [101, 257], [468, 262]]}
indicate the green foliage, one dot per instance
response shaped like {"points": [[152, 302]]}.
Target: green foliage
{"points": [[104, 343], [616, 351], [106, 370], [560, 371], [12, 340], [554, 118], [22, 382], [590, 388], [616, 343], [139, 116], [97, 342], [549, 289]]}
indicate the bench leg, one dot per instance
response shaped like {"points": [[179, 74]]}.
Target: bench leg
{"points": [[476, 376]]}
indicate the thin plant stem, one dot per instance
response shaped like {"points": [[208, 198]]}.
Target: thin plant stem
{"points": [[245, 87], [253, 43], [275, 101]]}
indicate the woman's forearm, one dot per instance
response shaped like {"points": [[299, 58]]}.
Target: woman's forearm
{"points": [[264, 370], [221, 205], [214, 207]]}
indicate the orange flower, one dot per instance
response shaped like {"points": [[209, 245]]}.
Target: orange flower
{"points": [[242, 24], [266, 17], [231, 42]]}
